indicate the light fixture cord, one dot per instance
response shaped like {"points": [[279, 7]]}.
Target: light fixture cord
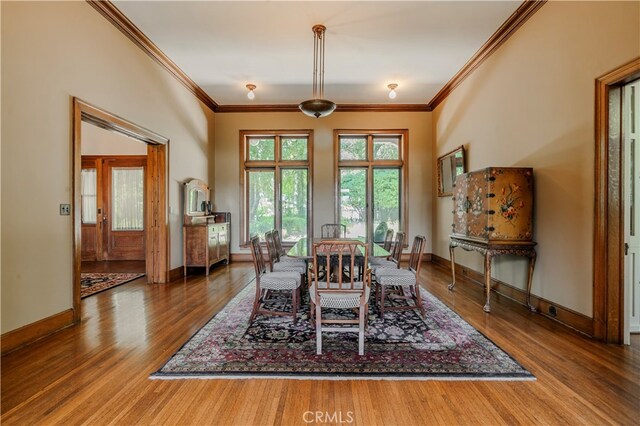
{"points": [[315, 65], [321, 37]]}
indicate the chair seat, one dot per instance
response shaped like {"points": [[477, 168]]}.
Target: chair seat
{"points": [[280, 280], [288, 267], [387, 264], [401, 277], [377, 260], [293, 260], [340, 300]]}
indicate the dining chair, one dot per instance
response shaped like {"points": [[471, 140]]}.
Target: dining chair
{"points": [[282, 254], [404, 279], [333, 230], [271, 281], [339, 291], [388, 242], [289, 265], [394, 259]]}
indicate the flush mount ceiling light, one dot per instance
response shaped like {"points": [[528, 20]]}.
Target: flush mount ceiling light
{"points": [[251, 88], [318, 107], [392, 90]]}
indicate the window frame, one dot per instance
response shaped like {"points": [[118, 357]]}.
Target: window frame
{"points": [[276, 166], [370, 164]]}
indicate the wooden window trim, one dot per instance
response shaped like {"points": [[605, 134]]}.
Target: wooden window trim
{"points": [[369, 164], [277, 164]]}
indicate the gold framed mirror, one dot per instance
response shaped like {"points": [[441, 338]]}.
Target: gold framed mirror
{"points": [[449, 166]]}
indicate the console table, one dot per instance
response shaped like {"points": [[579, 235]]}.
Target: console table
{"points": [[489, 250]]}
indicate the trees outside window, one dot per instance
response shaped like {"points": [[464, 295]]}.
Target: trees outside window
{"points": [[276, 183], [371, 183]]}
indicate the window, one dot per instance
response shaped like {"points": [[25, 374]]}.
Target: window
{"points": [[127, 198], [88, 195], [276, 183], [371, 183]]}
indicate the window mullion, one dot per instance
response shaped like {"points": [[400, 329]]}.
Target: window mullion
{"points": [[278, 195]]}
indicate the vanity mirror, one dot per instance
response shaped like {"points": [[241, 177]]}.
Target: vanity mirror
{"points": [[196, 199], [449, 166]]}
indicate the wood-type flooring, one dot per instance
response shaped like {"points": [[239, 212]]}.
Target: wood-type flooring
{"points": [[98, 372]]}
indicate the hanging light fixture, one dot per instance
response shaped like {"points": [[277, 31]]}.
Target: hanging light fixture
{"points": [[318, 107], [251, 88], [392, 90]]}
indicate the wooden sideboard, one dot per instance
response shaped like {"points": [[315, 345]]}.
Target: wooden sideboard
{"points": [[205, 244], [493, 215]]}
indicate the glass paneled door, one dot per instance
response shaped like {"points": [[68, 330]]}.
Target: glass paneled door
{"points": [[113, 216]]}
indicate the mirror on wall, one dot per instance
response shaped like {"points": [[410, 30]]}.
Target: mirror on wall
{"points": [[196, 198], [449, 166]]}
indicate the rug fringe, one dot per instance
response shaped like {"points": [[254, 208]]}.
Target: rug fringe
{"points": [[338, 378]]}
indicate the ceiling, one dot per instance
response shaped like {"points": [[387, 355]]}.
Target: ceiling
{"points": [[224, 45]]}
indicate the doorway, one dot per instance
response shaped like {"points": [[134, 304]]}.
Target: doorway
{"points": [[630, 116], [140, 231], [609, 319]]}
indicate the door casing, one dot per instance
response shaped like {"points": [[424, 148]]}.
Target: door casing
{"points": [[156, 202]]}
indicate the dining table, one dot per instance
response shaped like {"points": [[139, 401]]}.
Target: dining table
{"points": [[303, 248]]}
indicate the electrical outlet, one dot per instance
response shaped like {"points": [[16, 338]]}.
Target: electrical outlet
{"points": [[553, 311], [65, 209]]}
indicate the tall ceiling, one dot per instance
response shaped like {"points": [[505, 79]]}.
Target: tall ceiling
{"points": [[224, 45]]}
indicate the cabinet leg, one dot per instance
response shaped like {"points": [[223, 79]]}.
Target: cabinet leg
{"points": [[487, 282], [453, 267], [532, 264]]}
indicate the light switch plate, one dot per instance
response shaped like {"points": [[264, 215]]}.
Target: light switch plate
{"points": [[65, 209]]}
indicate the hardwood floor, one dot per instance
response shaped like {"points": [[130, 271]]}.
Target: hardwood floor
{"points": [[98, 372]]}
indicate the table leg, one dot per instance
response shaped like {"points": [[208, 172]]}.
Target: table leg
{"points": [[487, 281], [532, 264], [453, 266]]}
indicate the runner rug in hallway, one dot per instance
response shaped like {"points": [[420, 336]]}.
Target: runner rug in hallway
{"points": [[402, 346], [92, 283]]}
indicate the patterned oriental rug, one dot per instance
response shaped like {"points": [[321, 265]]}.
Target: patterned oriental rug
{"points": [[92, 283], [402, 346]]}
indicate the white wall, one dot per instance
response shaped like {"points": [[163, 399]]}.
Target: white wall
{"points": [[531, 104], [227, 162], [52, 51]]}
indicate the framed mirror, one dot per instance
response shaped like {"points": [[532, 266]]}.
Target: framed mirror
{"points": [[449, 166], [196, 198]]}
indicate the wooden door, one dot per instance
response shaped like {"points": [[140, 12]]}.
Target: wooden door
{"points": [[123, 201], [90, 193]]}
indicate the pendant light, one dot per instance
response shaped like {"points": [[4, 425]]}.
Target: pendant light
{"points": [[318, 107]]}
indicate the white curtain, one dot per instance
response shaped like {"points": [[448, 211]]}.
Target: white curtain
{"points": [[127, 198], [88, 195]]}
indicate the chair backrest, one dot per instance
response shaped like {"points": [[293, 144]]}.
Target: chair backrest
{"points": [[415, 260], [398, 244], [336, 255], [256, 254], [333, 230], [278, 242], [271, 249], [388, 240]]}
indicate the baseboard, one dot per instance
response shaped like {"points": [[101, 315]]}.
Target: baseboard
{"points": [[426, 257], [241, 257], [29, 333], [176, 273], [563, 315]]}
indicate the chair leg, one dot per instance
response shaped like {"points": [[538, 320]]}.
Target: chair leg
{"points": [[382, 295], [361, 330], [256, 304], [294, 303], [318, 330], [419, 299]]}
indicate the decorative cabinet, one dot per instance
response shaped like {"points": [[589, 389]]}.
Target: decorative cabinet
{"points": [[493, 215], [205, 244], [494, 204]]}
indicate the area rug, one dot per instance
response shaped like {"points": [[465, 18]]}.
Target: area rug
{"points": [[92, 283], [401, 346]]}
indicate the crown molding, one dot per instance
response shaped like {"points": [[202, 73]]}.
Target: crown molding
{"points": [[339, 108], [128, 28], [502, 34]]}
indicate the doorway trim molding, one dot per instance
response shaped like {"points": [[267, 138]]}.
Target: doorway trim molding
{"points": [[608, 257], [156, 203]]}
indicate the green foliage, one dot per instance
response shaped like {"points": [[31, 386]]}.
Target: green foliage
{"points": [[262, 149]]}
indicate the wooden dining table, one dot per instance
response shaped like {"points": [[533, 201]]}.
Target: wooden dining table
{"points": [[303, 248]]}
